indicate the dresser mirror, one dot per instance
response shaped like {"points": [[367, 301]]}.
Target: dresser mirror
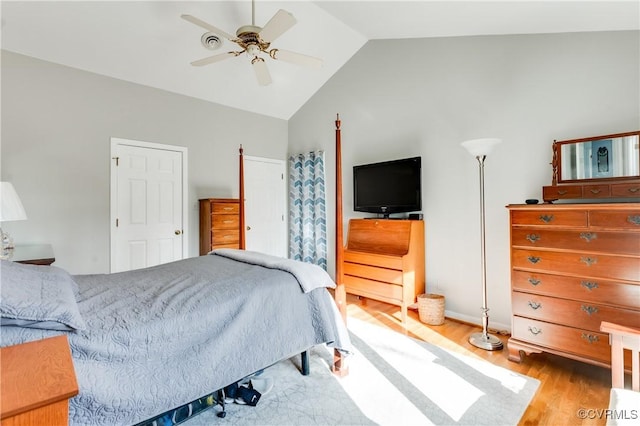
{"points": [[605, 166], [603, 157]]}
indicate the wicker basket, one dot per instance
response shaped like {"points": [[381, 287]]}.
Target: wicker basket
{"points": [[431, 308]]}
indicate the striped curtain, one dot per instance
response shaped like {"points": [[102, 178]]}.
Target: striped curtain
{"points": [[307, 210]]}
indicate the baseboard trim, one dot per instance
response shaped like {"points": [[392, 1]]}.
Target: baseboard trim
{"points": [[494, 327]]}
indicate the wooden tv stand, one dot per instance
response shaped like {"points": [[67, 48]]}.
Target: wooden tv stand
{"points": [[384, 260]]}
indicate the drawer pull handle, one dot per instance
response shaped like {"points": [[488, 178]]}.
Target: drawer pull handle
{"points": [[533, 259], [595, 191], [533, 238], [589, 285], [546, 218], [633, 190], [534, 281], [228, 221], [534, 305], [590, 310], [591, 338], [589, 260], [588, 236], [634, 219], [562, 191], [535, 330]]}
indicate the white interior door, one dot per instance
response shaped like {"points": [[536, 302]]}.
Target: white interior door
{"points": [[148, 205], [265, 205]]}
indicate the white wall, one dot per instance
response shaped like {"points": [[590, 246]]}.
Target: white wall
{"points": [[56, 128], [400, 98]]}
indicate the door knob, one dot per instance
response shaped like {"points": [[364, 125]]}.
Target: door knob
{"points": [[178, 232], [248, 228]]}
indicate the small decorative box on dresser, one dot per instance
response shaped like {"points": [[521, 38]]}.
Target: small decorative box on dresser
{"points": [[572, 267], [219, 224], [384, 260], [38, 379]]}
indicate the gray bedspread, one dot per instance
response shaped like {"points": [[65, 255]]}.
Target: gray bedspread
{"points": [[160, 337]]}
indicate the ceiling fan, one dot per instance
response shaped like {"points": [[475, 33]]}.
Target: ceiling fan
{"points": [[255, 42]]}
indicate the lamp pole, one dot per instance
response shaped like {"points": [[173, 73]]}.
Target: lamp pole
{"points": [[484, 340]]}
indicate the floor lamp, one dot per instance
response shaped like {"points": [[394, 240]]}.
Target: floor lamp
{"points": [[480, 148]]}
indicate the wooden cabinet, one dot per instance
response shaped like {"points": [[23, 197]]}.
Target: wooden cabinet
{"points": [[219, 224], [37, 381], [572, 267], [384, 260]]}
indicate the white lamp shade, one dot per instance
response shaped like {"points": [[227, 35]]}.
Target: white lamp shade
{"points": [[10, 205], [480, 147]]}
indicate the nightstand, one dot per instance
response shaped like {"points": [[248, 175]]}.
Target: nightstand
{"points": [[34, 254], [38, 380]]}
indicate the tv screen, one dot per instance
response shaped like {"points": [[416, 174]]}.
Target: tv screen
{"points": [[388, 187]]}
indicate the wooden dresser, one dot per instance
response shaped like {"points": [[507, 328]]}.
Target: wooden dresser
{"points": [[219, 224], [38, 379], [572, 267], [384, 260]]}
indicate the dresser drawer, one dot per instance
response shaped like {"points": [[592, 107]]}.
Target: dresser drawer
{"points": [[572, 340], [582, 264], [225, 236], [625, 190], [549, 218], [225, 221], [595, 241], [555, 192], [373, 273], [628, 220], [596, 191], [228, 208], [584, 289], [229, 245], [374, 289], [381, 260], [570, 312]]}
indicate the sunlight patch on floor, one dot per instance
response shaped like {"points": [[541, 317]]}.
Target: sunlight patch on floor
{"points": [[370, 390], [452, 393]]}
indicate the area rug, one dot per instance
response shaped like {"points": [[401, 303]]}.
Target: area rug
{"points": [[393, 380]]}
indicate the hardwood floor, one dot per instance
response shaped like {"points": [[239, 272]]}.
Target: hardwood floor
{"points": [[569, 390]]}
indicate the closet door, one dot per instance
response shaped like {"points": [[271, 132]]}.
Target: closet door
{"points": [[265, 205]]}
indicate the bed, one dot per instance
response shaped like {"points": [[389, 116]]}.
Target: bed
{"points": [[151, 341]]}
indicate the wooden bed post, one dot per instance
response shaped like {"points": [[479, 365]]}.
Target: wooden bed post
{"points": [[241, 200], [341, 295], [340, 367]]}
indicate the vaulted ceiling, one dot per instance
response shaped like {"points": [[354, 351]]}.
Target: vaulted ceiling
{"points": [[147, 42]]}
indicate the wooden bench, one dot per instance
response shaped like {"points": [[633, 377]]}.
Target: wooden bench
{"points": [[624, 404]]}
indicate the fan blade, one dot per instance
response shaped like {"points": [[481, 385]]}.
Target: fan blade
{"points": [[261, 70], [215, 58], [206, 26], [277, 25], [295, 58]]}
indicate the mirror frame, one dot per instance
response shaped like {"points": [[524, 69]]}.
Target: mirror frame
{"points": [[557, 160]]}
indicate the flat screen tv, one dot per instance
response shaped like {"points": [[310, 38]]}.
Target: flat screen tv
{"points": [[388, 187]]}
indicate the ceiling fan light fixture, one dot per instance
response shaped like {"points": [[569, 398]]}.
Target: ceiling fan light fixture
{"points": [[253, 50]]}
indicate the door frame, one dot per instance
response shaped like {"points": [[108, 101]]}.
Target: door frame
{"points": [[115, 142], [285, 180]]}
